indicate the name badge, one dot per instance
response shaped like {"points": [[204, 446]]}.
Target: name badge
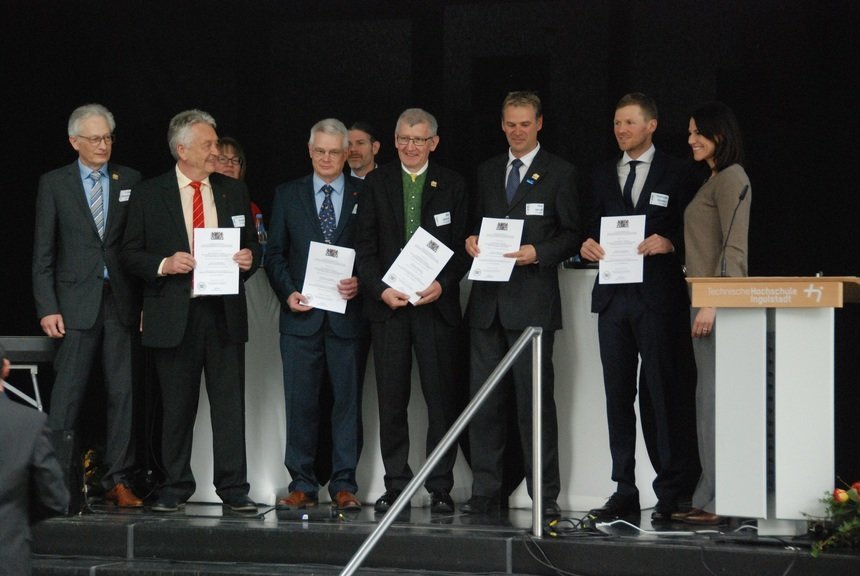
{"points": [[124, 195], [443, 218], [534, 209], [658, 199], [239, 221], [355, 209]]}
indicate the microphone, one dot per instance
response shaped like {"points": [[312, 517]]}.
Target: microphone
{"points": [[741, 197]]}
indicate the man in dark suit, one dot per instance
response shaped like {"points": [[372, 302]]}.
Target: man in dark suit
{"points": [[190, 333], [31, 481], [531, 184], [644, 319], [397, 199], [318, 345], [83, 296]]}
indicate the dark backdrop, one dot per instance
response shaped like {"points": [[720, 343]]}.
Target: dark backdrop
{"points": [[268, 69]]}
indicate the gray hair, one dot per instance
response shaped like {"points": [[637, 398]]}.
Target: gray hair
{"points": [[177, 131], [333, 127], [81, 113], [413, 116]]}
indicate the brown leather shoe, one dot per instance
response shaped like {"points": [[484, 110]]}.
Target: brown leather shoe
{"points": [[344, 500], [122, 496], [703, 519], [680, 516], [297, 500]]}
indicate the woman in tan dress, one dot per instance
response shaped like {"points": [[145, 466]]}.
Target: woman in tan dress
{"points": [[716, 225]]}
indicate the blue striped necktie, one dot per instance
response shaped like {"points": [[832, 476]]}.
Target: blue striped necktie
{"points": [[97, 203]]}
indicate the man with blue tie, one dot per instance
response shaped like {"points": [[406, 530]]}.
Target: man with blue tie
{"points": [[318, 345], [83, 297], [529, 183]]}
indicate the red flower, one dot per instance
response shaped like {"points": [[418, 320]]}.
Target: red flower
{"points": [[840, 496]]}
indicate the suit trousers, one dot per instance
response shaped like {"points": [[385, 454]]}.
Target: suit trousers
{"points": [[73, 364], [487, 431], [204, 348], [628, 329], [422, 329], [311, 362]]}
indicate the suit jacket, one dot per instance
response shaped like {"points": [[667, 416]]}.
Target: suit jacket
{"points": [[69, 258], [156, 230], [663, 288], [31, 482], [548, 202], [293, 226], [381, 234]]}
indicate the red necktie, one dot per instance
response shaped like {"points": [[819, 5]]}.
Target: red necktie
{"points": [[197, 219]]}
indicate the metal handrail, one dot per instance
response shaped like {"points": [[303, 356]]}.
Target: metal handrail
{"points": [[532, 333]]}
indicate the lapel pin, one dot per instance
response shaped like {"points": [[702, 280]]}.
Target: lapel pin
{"points": [[432, 183], [115, 176], [536, 176]]}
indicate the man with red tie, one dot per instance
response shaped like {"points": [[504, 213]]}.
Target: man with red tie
{"points": [[190, 334]]}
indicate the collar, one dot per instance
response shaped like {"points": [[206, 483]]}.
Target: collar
{"points": [[338, 184], [526, 159], [647, 157], [420, 172], [86, 170], [184, 181]]}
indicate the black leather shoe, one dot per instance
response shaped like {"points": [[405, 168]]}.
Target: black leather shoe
{"points": [[241, 504], [386, 501], [617, 506], [167, 502], [480, 505], [551, 509], [663, 511], [441, 503]]}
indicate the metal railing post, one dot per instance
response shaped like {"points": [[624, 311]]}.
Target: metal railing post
{"points": [[531, 335], [537, 438]]}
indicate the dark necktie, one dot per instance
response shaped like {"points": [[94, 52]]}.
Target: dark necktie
{"points": [[97, 203], [327, 221], [513, 179], [627, 193]]}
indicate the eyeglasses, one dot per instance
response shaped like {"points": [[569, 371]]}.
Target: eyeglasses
{"points": [[96, 140], [417, 140], [320, 153], [225, 160]]}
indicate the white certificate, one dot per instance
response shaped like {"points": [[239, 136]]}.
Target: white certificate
{"points": [[498, 236], [620, 237], [327, 266], [418, 264], [215, 272]]}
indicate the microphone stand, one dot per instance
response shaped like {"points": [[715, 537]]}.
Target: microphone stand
{"points": [[741, 197]]}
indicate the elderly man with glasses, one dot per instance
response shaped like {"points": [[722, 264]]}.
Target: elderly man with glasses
{"points": [[398, 199], [84, 298]]}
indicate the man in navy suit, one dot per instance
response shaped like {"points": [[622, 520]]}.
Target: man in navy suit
{"points": [[190, 333], [646, 319], [397, 199], [83, 297], [528, 183], [318, 344], [31, 481]]}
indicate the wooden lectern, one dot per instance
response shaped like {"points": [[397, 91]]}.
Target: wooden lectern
{"points": [[799, 457]]}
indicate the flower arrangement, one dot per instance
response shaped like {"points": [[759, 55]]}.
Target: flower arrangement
{"points": [[843, 511]]}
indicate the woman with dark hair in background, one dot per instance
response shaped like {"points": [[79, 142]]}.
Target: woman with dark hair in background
{"points": [[721, 206]]}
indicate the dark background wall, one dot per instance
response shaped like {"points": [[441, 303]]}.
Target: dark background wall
{"points": [[268, 69]]}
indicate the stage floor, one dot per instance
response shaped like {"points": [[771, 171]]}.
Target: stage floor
{"points": [[207, 539]]}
